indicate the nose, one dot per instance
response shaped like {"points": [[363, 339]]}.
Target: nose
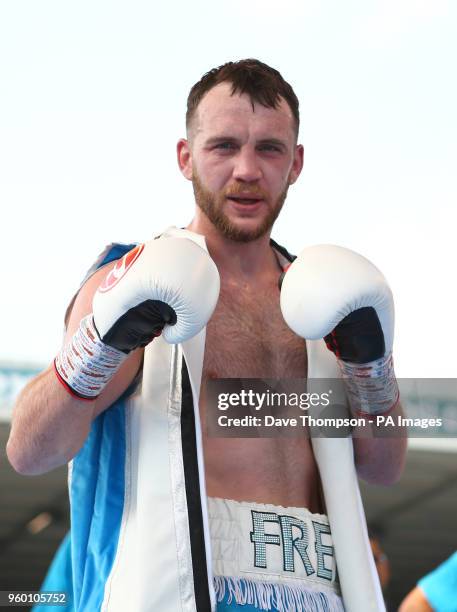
{"points": [[247, 167]]}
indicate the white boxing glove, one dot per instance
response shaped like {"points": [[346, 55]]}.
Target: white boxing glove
{"points": [[171, 280], [168, 286], [334, 293]]}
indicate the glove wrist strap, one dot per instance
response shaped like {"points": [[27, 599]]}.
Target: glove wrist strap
{"points": [[86, 364], [371, 387]]}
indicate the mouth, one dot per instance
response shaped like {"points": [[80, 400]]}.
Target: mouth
{"points": [[244, 201]]}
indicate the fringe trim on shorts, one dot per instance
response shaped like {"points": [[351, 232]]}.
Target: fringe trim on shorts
{"points": [[280, 596]]}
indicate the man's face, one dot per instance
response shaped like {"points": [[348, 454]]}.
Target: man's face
{"points": [[241, 162]]}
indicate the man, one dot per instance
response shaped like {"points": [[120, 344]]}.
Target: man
{"points": [[144, 534]]}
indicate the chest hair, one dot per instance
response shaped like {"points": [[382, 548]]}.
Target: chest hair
{"points": [[247, 336]]}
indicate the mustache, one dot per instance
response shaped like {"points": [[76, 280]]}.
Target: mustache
{"points": [[252, 190]]}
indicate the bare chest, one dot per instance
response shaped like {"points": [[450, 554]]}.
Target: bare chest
{"points": [[248, 338]]}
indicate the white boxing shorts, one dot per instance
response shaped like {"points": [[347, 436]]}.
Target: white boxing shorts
{"points": [[268, 557]]}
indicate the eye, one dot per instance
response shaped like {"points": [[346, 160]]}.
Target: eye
{"points": [[269, 147], [225, 146]]}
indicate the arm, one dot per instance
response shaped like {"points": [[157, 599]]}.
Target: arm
{"points": [[380, 457], [333, 293], [415, 601], [49, 425], [168, 285], [380, 444]]}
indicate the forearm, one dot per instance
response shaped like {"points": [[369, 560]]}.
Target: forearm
{"points": [[49, 426], [380, 443], [379, 450]]}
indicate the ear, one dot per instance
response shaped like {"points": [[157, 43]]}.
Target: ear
{"points": [[185, 158], [297, 164]]}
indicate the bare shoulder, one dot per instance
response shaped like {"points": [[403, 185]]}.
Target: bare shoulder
{"points": [[81, 307]]}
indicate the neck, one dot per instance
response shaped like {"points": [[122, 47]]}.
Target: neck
{"points": [[236, 258]]}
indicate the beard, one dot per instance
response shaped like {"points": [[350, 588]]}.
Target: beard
{"points": [[212, 204]]}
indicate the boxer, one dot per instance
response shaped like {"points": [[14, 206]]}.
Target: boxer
{"points": [[164, 517]]}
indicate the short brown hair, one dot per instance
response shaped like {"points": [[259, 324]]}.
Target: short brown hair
{"points": [[259, 81]]}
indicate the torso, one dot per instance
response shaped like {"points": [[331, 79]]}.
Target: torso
{"points": [[248, 338]]}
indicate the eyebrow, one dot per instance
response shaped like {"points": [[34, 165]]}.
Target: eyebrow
{"points": [[216, 139], [263, 141]]}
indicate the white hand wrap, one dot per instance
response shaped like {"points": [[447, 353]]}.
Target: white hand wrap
{"points": [[86, 364], [371, 387]]}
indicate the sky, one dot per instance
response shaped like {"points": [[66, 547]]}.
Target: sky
{"points": [[92, 103]]}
